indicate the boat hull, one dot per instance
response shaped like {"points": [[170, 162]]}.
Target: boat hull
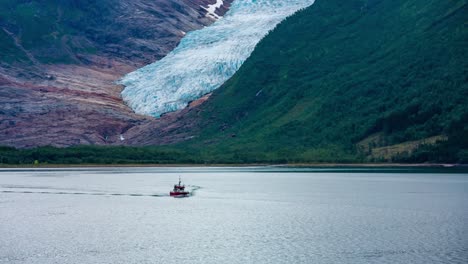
{"points": [[179, 194]]}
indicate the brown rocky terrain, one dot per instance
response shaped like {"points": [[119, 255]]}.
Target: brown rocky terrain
{"points": [[64, 93]]}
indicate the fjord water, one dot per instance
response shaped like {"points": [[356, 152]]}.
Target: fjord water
{"points": [[236, 215]]}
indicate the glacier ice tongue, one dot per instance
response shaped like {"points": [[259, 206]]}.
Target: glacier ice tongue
{"points": [[205, 58]]}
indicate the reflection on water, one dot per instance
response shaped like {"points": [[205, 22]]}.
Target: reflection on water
{"points": [[238, 215]]}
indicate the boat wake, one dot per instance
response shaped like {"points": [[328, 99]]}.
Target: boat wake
{"points": [[193, 189], [83, 193], [19, 190]]}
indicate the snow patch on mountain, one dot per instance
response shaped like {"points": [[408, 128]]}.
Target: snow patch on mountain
{"points": [[211, 9], [205, 58]]}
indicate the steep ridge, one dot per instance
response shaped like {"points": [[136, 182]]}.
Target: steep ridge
{"points": [[59, 61], [343, 81], [205, 58]]}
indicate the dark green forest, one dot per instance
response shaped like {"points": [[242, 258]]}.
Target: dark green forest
{"points": [[341, 81], [94, 155], [341, 74]]}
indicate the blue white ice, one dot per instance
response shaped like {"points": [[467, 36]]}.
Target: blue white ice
{"points": [[205, 58]]}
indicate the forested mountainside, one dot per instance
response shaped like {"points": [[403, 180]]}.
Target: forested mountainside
{"points": [[60, 59], [348, 81]]}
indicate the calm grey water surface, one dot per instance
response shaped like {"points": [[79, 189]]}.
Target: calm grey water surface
{"points": [[237, 215]]}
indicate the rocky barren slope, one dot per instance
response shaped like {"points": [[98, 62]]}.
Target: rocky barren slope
{"points": [[59, 61]]}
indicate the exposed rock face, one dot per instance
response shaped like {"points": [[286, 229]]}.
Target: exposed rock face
{"points": [[171, 128], [58, 88]]}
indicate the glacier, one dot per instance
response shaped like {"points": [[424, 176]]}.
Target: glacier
{"points": [[205, 58]]}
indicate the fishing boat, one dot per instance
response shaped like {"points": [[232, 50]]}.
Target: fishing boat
{"points": [[179, 190]]}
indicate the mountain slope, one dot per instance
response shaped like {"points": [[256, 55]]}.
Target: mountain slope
{"points": [[341, 79], [68, 31], [59, 61]]}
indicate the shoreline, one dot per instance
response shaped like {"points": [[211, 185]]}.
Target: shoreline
{"points": [[295, 165]]}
